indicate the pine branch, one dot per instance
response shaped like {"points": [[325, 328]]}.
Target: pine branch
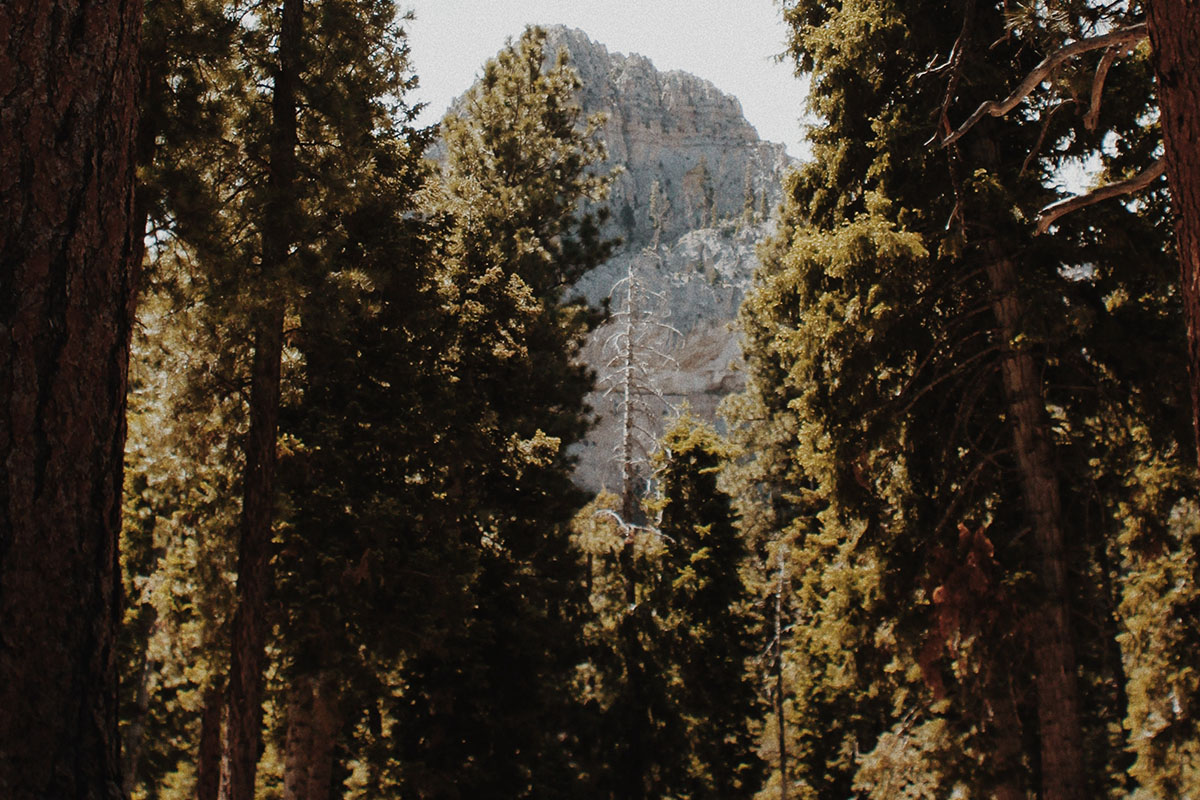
{"points": [[1093, 115], [1054, 211], [998, 108]]}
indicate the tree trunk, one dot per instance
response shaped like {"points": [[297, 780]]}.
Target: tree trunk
{"points": [[208, 759], [240, 758], [779, 696], [299, 743], [1175, 41], [327, 722], [314, 721], [1060, 731], [68, 261]]}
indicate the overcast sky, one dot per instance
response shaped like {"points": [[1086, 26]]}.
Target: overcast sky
{"points": [[729, 42]]}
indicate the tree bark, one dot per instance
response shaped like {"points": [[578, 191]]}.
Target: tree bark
{"points": [[299, 743], [239, 760], [327, 722], [1175, 42], [68, 263], [208, 759], [1060, 730], [255, 580]]}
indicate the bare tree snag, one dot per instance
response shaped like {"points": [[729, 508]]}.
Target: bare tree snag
{"points": [[1175, 42], [68, 261]]}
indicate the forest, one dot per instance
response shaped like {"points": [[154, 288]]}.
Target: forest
{"points": [[290, 386]]}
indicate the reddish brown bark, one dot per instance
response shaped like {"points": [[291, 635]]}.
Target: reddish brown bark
{"points": [[68, 78], [314, 720], [1175, 40], [299, 741], [327, 722], [255, 580], [1060, 730], [239, 759], [208, 757]]}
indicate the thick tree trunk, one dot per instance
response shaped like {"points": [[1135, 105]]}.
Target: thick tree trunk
{"points": [[208, 758], [240, 757], [68, 259], [1060, 730], [1175, 40], [314, 721]]}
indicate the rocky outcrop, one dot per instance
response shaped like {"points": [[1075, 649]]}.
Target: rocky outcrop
{"points": [[675, 129], [718, 182]]}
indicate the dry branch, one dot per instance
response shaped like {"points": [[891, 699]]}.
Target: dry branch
{"points": [[1140, 181], [998, 108], [1092, 117]]}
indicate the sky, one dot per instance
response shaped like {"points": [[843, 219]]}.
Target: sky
{"points": [[728, 42]]}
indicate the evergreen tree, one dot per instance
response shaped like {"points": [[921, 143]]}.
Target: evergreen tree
{"points": [[208, 194], [706, 621], [906, 394], [487, 712]]}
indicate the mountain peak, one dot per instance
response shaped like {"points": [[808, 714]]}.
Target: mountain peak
{"points": [[673, 128]]}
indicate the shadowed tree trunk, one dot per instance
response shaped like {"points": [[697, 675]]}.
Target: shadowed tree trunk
{"points": [[68, 258], [1175, 40], [240, 756], [327, 721], [314, 721], [208, 760], [1060, 730], [299, 741]]}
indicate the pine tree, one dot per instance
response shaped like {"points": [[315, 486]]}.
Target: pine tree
{"points": [[901, 386], [706, 621], [1072, 33], [208, 193], [487, 711]]}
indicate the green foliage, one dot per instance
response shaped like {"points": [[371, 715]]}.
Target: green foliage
{"points": [[874, 433], [182, 463], [489, 711], [706, 619]]}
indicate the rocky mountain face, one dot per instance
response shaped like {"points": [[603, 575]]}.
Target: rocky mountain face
{"points": [[674, 129], [676, 138]]}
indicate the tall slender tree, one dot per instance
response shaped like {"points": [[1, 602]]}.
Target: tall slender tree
{"points": [[708, 628], [487, 712], [278, 234]]}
